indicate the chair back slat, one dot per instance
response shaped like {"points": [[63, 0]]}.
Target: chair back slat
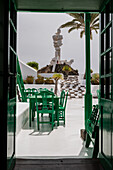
{"points": [[66, 99], [45, 104], [62, 97]]}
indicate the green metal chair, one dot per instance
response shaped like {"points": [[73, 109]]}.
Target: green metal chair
{"points": [[27, 92], [33, 91], [47, 107], [30, 92], [52, 89], [62, 97], [62, 110]]}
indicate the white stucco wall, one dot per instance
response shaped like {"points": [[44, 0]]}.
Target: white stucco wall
{"points": [[27, 70], [48, 75]]}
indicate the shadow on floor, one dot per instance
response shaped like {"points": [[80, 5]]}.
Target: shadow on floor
{"points": [[45, 129]]}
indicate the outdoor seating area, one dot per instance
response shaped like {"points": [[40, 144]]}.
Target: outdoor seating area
{"points": [[43, 103], [62, 141]]}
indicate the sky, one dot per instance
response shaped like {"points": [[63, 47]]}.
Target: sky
{"points": [[35, 43]]}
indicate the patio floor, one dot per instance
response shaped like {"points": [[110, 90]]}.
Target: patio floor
{"points": [[62, 142]]}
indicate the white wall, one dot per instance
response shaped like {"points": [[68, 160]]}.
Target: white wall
{"points": [[48, 75], [27, 70]]}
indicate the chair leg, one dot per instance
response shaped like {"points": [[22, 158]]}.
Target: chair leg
{"points": [[38, 120], [52, 121], [33, 111], [88, 140], [96, 145], [64, 117]]}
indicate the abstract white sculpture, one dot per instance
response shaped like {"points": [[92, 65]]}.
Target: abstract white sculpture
{"points": [[57, 40]]}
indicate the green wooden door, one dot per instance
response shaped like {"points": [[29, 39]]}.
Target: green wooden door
{"points": [[11, 112], [106, 86]]}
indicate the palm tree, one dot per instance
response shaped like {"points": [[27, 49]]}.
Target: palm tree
{"points": [[56, 77], [78, 23], [67, 69]]}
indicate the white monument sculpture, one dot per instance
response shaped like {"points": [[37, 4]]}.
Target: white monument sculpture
{"points": [[57, 40]]}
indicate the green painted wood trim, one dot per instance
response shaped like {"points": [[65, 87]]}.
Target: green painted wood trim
{"points": [[15, 5], [112, 62], [103, 5], [106, 75], [105, 52], [105, 162], [13, 25], [57, 11], [20, 82], [107, 26], [88, 95], [13, 50]]}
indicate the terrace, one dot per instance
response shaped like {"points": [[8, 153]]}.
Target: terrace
{"points": [[62, 142]]}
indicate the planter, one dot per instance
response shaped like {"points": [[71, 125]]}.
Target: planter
{"points": [[49, 82], [29, 79], [39, 81]]}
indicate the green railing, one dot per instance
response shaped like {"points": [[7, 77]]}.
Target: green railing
{"points": [[20, 82]]}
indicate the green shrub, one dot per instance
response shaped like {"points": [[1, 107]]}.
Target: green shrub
{"points": [[33, 64], [95, 79]]}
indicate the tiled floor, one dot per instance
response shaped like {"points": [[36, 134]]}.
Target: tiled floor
{"points": [[61, 142]]}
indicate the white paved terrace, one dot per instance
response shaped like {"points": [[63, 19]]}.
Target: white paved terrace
{"points": [[61, 142]]}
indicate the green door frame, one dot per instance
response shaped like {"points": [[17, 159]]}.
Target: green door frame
{"points": [[106, 86], [4, 9]]}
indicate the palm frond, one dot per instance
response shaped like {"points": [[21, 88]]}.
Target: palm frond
{"points": [[77, 16], [95, 30], [67, 24], [77, 26], [93, 17], [82, 33], [95, 21], [78, 23], [71, 29], [95, 25]]}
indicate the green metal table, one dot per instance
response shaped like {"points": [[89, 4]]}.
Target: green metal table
{"points": [[39, 99]]}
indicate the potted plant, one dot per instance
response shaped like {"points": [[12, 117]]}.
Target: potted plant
{"points": [[24, 81], [49, 81], [39, 80], [95, 79], [30, 79]]}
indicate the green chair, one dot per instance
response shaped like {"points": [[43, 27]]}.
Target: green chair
{"points": [[62, 110], [40, 89], [33, 91], [47, 107], [27, 92], [52, 89], [62, 97]]}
